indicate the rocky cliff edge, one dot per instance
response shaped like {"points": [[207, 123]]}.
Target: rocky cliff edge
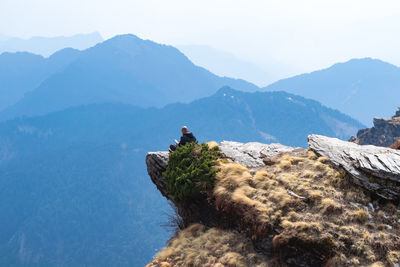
{"points": [[335, 204]]}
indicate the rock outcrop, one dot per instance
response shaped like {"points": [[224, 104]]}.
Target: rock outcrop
{"points": [[375, 168], [273, 205], [383, 133], [251, 155]]}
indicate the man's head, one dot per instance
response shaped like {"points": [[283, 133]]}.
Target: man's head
{"points": [[184, 129]]}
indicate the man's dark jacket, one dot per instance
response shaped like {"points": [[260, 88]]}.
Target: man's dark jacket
{"points": [[187, 137]]}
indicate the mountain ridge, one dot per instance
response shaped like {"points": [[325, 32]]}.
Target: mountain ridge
{"points": [[353, 87], [22, 72], [123, 69], [79, 172], [46, 46]]}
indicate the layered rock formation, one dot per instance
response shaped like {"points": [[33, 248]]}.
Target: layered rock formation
{"points": [[375, 168], [274, 205], [383, 133]]}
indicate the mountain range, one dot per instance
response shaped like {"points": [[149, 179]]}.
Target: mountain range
{"points": [[362, 88], [124, 69], [76, 127], [46, 46], [22, 72], [127, 69], [74, 187]]}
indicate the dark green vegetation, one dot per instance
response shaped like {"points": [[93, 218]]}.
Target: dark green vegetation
{"points": [[362, 88], [73, 183], [124, 69], [191, 170]]}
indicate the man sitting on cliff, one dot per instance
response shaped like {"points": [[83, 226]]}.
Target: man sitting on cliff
{"points": [[187, 137]]}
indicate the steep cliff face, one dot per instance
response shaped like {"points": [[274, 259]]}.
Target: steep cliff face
{"points": [[385, 132], [273, 205]]}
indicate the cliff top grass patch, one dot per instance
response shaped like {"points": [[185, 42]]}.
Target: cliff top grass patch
{"points": [[191, 170], [297, 210], [199, 246], [312, 207]]}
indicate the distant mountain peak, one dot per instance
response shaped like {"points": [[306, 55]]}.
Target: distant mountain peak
{"points": [[129, 39], [124, 37], [363, 63], [362, 87], [134, 45]]}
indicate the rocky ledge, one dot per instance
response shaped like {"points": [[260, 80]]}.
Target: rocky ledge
{"points": [[251, 155], [274, 205], [375, 168]]}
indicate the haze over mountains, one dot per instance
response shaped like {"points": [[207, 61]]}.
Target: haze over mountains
{"points": [[76, 127], [226, 64], [74, 187], [362, 88], [123, 69], [3, 37], [22, 72], [46, 46], [130, 70]]}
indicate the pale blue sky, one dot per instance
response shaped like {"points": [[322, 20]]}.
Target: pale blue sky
{"points": [[304, 34]]}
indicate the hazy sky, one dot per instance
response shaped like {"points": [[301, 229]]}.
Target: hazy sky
{"points": [[303, 34]]}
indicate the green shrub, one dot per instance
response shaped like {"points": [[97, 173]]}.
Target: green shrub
{"points": [[191, 170]]}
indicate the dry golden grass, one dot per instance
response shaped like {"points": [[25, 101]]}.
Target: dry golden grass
{"points": [[198, 246], [212, 144], [360, 215], [393, 257], [325, 211], [305, 204]]}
